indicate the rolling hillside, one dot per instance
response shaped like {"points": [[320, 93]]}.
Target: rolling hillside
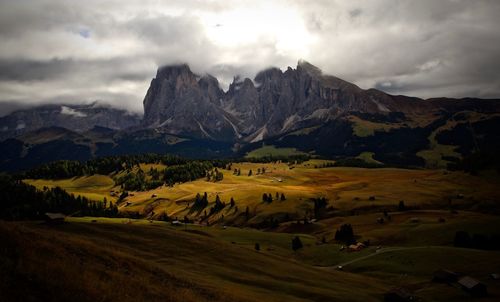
{"points": [[346, 189], [110, 262]]}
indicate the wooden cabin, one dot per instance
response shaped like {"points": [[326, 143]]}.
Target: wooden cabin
{"points": [[54, 218], [473, 286]]}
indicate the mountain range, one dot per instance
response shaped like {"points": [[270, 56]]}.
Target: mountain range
{"points": [[299, 108], [78, 118]]}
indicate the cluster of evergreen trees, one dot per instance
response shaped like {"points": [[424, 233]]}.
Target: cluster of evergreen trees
{"points": [[477, 241], [325, 165], [218, 206], [22, 201], [345, 234], [476, 162], [268, 197], [201, 202], [178, 170], [186, 172], [137, 181], [101, 165], [297, 159], [215, 175]]}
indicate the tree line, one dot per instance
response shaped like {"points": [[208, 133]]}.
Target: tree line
{"points": [[477, 240], [19, 201], [102, 165]]}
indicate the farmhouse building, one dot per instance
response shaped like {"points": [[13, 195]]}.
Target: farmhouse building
{"points": [[473, 286], [356, 247], [54, 218]]}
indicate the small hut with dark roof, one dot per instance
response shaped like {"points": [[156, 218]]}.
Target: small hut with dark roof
{"points": [[445, 276], [473, 286], [54, 218]]}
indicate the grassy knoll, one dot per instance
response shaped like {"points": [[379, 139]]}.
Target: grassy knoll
{"points": [[273, 151], [95, 187], [364, 128], [368, 158], [147, 167], [116, 261]]}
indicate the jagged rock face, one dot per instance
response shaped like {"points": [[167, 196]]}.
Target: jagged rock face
{"points": [[76, 118], [179, 102]]}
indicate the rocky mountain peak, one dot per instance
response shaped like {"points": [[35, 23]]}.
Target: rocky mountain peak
{"points": [[272, 74], [306, 67], [180, 102], [174, 71]]}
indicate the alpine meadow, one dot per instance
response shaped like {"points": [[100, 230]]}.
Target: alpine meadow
{"points": [[283, 150]]}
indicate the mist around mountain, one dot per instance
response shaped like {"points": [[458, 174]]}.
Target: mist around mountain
{"points": [[299, 108]]}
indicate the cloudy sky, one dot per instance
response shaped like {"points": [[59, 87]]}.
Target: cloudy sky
{"points": [[55, 51]]}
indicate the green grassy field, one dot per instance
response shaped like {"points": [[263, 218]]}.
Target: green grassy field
{"points": [[95, 187], [347, 190]]}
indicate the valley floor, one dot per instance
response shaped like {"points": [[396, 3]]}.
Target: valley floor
{"points": [[214, 258]]}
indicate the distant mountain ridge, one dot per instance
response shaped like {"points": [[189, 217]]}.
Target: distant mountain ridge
{"points": [[299, 108], [77, 118]]}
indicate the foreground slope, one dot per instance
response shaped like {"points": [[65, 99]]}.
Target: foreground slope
{"points": [[93, 261]]}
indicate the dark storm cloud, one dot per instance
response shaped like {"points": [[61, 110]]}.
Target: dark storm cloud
{"points": [[106, 69], [73, 51]]}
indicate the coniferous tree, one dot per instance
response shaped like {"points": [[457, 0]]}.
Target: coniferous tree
{"points": [[319, 206], [462, 239], [296, 243]]}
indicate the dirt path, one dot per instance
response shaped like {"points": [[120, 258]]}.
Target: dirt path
{"points": [[378, 252]]}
